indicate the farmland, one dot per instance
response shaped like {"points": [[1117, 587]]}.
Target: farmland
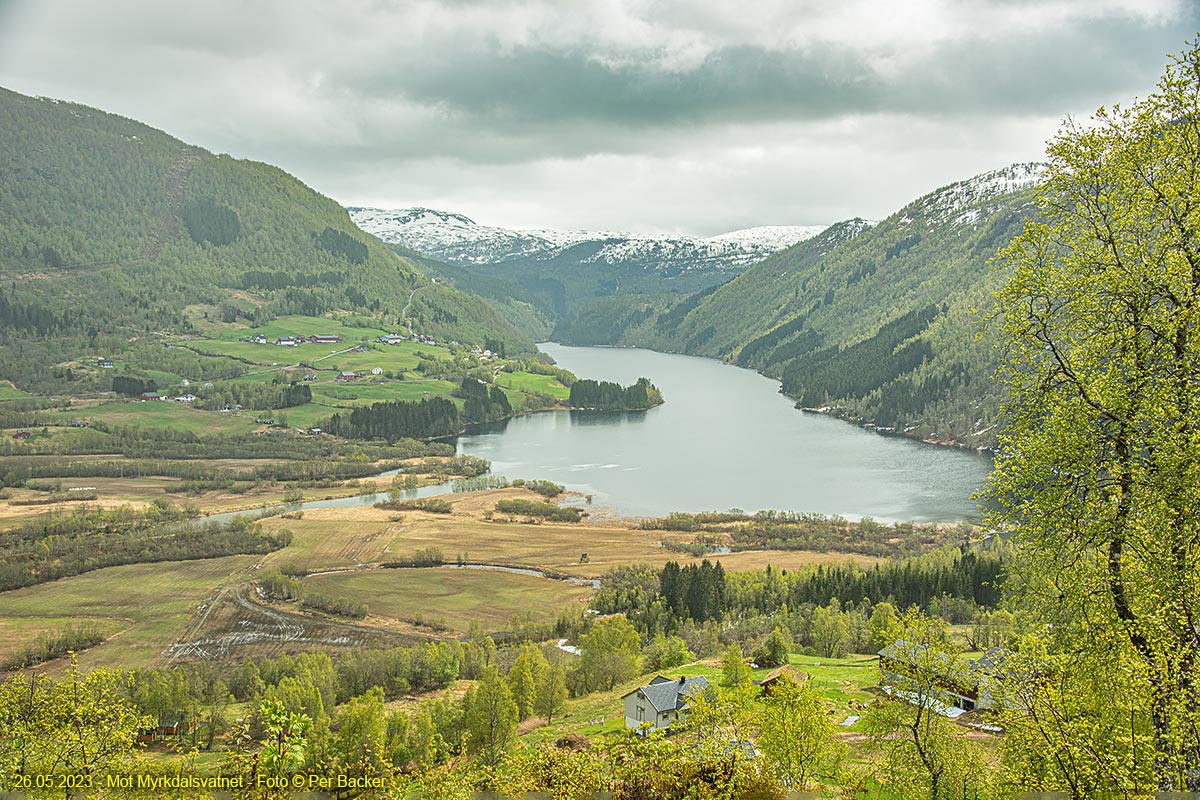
{"points": [[452, 600], [175, 416], [333, 538], [157, 600], [180, 602]]}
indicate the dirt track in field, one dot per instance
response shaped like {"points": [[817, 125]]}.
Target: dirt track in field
{"points": [[233, 625]]}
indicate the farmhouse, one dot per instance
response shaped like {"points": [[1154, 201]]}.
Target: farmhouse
{"points": [[393, 338], [346, 376], [286, 341], [105, 363], [145, 396], [324, 338], [659, 703], [905, 667], [259, 339], [22, 434]]}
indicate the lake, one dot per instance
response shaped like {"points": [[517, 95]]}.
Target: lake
{"points": [[725, 438]]}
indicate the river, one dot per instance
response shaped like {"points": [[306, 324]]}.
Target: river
{"points": [[725, 438]]}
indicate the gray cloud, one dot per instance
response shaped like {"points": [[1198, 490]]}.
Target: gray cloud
{"points": [[673, 114], [750, 82]]}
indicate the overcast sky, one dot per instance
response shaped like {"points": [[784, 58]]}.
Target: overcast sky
{"points": [[685, 116]]}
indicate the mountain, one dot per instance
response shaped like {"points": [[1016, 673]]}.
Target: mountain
{"points": [[511, 301], [111, 230], [875, 323], [564, 269]]}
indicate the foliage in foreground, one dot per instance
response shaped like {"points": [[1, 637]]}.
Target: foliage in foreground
{"points": [[1100, 465]]}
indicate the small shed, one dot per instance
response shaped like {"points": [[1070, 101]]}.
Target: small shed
{"points": [[769, 680]]}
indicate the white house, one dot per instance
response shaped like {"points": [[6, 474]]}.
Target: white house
{"points": [[660, 702]]}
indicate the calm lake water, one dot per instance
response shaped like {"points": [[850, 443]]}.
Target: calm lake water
{"points": [[725, 438]]}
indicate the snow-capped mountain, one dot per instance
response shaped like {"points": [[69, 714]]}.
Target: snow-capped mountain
{"points": [[459, 240], [966, 202]]}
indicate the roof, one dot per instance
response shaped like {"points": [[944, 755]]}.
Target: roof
{"points": [[787, 669], [669, 694], [990, 663]]}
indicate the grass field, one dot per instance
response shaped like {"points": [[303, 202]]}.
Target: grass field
{"points": [[297, 325], [263, 354], [391, 359], [159, 414], [10, 392], [308, 415], [843, 681], [363, 392], [156, 600], [537, 384], [453, 598]]}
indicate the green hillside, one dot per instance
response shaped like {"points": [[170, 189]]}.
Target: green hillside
{"points": [[512, 302], [871, 322], [112, 231]]}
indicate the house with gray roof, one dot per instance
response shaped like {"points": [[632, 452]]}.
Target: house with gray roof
{"points": [[659, 703], [967, 685]]}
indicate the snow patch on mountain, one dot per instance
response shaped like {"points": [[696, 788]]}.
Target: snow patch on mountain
{"points": [[458, 239], [965, 202]]}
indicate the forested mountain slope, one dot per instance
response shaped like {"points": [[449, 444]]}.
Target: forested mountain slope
{"points": [[111, 230], [872, 322], [513, 302]]}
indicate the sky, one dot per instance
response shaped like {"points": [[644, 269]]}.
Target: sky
{"points": [[682, 116]]}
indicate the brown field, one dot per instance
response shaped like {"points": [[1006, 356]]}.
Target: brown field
{"points": [[17, 633], [159, 600], [157, 613], [331, 538], [234, 624], [453, 599], [140, 491]]}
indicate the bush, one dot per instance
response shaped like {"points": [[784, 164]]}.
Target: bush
{"points": [[544, 488], [72, 639], [340, 606], [433, 505], [425, 557], [549, 511]]}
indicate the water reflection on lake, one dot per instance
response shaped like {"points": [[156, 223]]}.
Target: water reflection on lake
{"points": [[725, 438]]}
